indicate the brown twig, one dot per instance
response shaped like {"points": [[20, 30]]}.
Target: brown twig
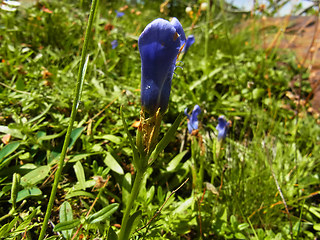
{"points": [[159, 211], [199, 207]]}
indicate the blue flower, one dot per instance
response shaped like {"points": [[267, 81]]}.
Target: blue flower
{"points": [[223, 126], [190, 40], [119, 14], [159, 45], [114, 44], [193, 122]]}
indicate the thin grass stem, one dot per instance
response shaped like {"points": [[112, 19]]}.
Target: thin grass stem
{"points": [[77, 94]]}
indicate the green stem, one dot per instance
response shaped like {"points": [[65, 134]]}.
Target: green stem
{"points": [[134, 193], [76, 100], [206, 36]]}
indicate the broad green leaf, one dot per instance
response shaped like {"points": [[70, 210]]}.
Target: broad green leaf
{"points": [[10, 148], [75, 134], [28, 192], [126, 188], [35, 176], [257, 93], [63, 226], [243, 226], [21, 169], [103, 214], [175, 161], [316, 227], [13, 132], [78, 169], [65, 215], [184, 206], [165, 140], [132, 224], [112, 163], [240, 236]]}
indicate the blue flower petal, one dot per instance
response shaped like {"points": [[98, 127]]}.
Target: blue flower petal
{"points": [[114, 44], [193, 123], [159, 46], [119, 14], [186, 113], [222, 127], [190, 40], [177, 25]]}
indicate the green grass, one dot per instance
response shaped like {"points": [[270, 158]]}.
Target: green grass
{"points": [[40, 55]]}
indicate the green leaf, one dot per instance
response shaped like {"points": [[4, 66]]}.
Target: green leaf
{"points": [[175, 161], [243, 226], [257, 93], [80, 193], [25, 224], [65, 215], [132, 224], [165, 140], [75, 134], [29, 192], [111, 138], [66, 225], [112, 163], [133, 146], [316, 227], [111, 234], [103, 214], [240, 236], [7, 227], [10, 148], [75, 158], [35, 176], [126, 188], [53, 136], [13, 132], [78, 169]]}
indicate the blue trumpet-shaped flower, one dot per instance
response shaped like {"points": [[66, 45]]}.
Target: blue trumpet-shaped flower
{"points": [[119, 14], [193, 122], [159, 45], [223, 126], [190, 40], [114, 44]]}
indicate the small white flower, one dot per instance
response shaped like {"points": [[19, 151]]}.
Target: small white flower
{"points": [[188, 9], [9, 6], [203, 6], [12, 3]]}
